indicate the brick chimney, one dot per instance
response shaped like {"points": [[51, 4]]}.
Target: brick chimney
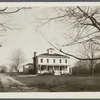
{"points": [[35, 62], [34, 54]]}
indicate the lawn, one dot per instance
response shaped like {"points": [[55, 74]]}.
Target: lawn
{"points": [[62, 83], [1, 87]]}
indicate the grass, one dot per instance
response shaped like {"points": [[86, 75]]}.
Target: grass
{"points": [[62, 83], [1, 87]]}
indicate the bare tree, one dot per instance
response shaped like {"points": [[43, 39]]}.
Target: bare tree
{"points": [[84, 23], [90, 50], [17, 58]]}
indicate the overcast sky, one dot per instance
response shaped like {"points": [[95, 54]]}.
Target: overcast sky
{"points": [[27, 38]]}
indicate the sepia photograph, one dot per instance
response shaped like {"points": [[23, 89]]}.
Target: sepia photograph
{"points": [[49, 48]]}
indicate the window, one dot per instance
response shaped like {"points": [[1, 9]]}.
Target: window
{"points": [[53, 60], [47, 60], [65, 61], [41, 60], [60, 60]]}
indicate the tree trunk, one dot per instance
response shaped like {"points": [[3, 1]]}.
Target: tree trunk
{"points": [[16, 70], [92, 72], [92, 69]]}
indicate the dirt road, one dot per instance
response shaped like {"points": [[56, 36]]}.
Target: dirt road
{"points": [[8, 84]]}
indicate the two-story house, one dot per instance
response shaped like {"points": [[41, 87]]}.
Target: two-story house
{"points": [[51, 62]]}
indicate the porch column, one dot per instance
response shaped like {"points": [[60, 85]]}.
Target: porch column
{"points": [[40, 69], [46, 69], [53, 68], [71, 69], [65, 69], [59, 69]]}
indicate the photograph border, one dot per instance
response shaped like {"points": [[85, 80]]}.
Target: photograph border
{"points": [[57, 95]]}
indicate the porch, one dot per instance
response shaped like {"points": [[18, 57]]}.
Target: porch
{"points": [[57, 70]]}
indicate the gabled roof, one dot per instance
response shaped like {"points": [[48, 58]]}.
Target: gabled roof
{"points": [[52, 55], [29, 64]]}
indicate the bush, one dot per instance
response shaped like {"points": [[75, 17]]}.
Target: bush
{"points": [[31, 71], [97, 69], [80, 71], [2, 71], [49, 73], [13, 74]]}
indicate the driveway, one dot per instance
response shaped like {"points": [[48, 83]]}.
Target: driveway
{"points": [[11, 85]]}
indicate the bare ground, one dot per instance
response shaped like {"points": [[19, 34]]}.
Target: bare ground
{"points": [[8, 84]]}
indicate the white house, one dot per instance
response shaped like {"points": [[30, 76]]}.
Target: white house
{"points": [[51, 62]]}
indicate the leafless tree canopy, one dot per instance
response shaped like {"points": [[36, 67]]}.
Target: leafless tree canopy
{"points": [[84, 23], [90, 50], [17, 58], [4, 25], [7, 11]]}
